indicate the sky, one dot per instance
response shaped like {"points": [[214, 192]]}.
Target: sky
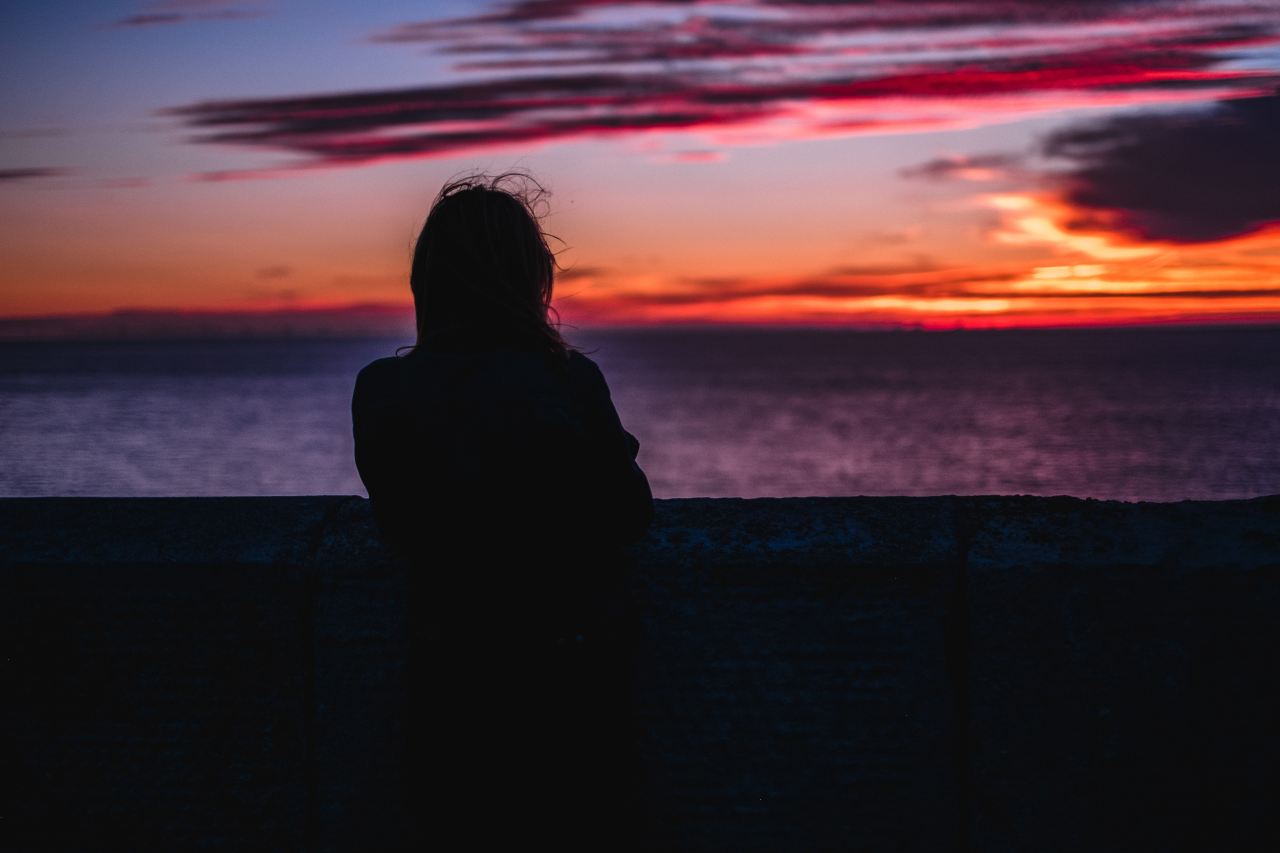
{"points": [[974, 163]]}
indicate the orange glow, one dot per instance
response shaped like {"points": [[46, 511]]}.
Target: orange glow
{"points": [[1084, 278], [787, 163], [295, 252]]}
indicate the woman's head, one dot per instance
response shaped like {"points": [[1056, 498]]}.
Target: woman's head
{"points": [[482, 267]]}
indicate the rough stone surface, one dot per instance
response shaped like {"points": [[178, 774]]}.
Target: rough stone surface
{"points": [[360, 726], [794, 691], [138, 531], [155, 669], [952, 673], [1123, 662]]}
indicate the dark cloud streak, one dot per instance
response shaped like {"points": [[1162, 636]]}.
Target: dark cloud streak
{"points": [[1185, 177], [185, 11], [976, 167], [707, 71], [31, 173]]}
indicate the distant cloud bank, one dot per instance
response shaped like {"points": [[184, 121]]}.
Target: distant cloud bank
{"points": [[348, 321]]}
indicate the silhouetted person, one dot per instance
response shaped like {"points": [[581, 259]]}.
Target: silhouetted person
{"points": [[494, 459]]}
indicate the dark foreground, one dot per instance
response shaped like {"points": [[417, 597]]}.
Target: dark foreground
{"points": [[987, 673]]}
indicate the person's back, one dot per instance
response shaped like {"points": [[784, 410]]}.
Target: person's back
{"points": [[495, 462], [497, 437]]}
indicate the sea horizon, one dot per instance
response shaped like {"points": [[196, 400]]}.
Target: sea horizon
{"points": [[105, 327], [1125, 413]]}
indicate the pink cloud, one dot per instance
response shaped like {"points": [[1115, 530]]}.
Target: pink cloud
{"points": [[773, 71]]}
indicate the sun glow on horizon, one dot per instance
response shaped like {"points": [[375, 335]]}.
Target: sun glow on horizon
{"points": [[759, 163]]}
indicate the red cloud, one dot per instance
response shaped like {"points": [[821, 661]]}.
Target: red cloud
{"points": [[819, 69]]}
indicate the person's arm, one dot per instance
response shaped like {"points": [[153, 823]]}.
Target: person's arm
{"points": [[374, 424], [626, 488], [367, 424]]}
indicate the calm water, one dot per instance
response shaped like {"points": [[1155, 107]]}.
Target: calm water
{"points": [[1136, 414]]}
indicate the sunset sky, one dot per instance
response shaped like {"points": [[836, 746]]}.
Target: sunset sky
{"points": [[972, 162]]}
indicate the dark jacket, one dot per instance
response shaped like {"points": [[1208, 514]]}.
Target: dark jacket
{"points": [[491, 440], [508, 479]]}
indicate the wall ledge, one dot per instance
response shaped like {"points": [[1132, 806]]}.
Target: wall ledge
{"points": [[909, 673]]}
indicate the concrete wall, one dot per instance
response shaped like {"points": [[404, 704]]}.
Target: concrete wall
{"points": [[977, 673]]}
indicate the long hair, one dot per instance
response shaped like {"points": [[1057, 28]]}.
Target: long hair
{"points": [[482, 268]]}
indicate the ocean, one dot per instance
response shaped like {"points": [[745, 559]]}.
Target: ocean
{"points": [[1155, 413]]}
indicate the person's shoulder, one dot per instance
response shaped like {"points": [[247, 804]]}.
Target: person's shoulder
{"points": [[583, 365], [379, 377], [587, 373], [380, 368]]}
